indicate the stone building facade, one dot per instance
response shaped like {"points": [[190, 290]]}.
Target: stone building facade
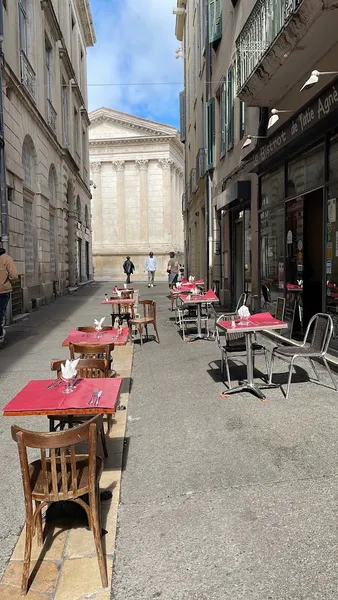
{"points": [[47, 228], [136, 169]]}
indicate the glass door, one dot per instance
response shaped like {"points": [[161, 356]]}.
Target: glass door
{"points": [[294, 265]]}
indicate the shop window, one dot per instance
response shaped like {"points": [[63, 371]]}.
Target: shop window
{"points": [[332, 258], [306, 172], [272, 188], [272, 251]]}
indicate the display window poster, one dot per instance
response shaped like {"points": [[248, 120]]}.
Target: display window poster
{"points": [[331, 210]]}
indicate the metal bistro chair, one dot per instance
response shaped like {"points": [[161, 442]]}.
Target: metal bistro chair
{"points": [[65, 475], [316, 348], [235, 347], [187, 315], [227, 316], [266, 295], [148, 318]]}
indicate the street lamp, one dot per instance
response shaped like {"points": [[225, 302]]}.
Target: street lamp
{"points": [[252, 137], [314, 78], [274, 116]]}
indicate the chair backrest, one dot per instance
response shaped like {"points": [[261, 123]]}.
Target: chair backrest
{"points": [[57, 474], [280, 309], [90, 350], [128, 294], [266, 293], [91, 328], [149, 309], [322, 325], [86, 368], [228, 338], [241, 301]]}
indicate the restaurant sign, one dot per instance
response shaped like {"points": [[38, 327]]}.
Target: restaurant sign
{"points": [[314, 113]]}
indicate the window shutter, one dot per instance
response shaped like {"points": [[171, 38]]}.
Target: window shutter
{"points": [[215, 20], [211, 133], [223, 117], [182, 116], [230, 109]]}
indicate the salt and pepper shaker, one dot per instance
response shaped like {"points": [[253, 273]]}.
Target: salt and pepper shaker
{"points": [[106, 297], [233, 324]]}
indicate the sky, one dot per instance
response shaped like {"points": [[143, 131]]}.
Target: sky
{"points": [[136, 44]]}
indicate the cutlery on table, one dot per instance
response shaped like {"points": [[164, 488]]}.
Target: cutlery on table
{"points": [[54, 384], [98, 396], [93, 397]]}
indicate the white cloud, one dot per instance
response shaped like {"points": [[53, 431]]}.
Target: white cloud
{"points": [[135, 44]]}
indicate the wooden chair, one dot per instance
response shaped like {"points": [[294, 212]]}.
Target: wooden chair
{"points": [[149, 318], [93, 351], [66, 476], [86, 368], [123, 312]]}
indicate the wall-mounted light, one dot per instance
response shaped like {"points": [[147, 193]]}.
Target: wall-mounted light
{"points": [[274, 116], [314, 78], [179, 52], [180, 12], [252, 137], [92, 184]]}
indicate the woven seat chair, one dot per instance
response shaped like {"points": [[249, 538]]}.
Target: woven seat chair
{"points": [[63, 476], [315, 349]]}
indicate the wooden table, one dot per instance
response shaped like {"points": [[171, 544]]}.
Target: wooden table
{"points": [[35, 399], [255, 323], [106, 337], [189, 300]]}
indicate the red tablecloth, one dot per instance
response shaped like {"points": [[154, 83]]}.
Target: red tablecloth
{"points": [[108, 337], [209, 296], [119, 301], [260, 320], [34, 398], [198, 282]]}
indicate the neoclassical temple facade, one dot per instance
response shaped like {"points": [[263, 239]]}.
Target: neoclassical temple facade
{"points": [[136, 170], [46, 213]]}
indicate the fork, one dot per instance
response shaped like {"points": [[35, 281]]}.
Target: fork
{"points": [[93, 397]]}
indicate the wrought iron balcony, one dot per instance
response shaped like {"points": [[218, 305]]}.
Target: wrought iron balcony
{"points": [[201, 163], [51, 115], [27, 73]]}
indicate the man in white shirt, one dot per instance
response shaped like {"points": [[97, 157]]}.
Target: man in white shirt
{"points": [[150, 266]]}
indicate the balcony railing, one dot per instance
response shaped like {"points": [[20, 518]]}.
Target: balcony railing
{"points": [[266, 20], [51, 115], [201, 161], [28, 77]]}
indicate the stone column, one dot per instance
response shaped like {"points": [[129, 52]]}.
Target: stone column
{"points": [[143, 167], [165, 165], [119, 165], [95, 168]]}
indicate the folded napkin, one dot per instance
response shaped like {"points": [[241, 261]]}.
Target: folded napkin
{"points": [[244, 312], [118, 293], [191, 279], [98, 324], [178, 284], [69, 369], [115, 290]]}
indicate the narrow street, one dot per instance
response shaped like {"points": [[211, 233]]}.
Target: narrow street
{"points": [[220, 498]]}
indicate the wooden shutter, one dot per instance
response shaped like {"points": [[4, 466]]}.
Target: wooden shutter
{"points": [[182, 116], [211, 133], [215, 20], [223, 117], [230, 109]]}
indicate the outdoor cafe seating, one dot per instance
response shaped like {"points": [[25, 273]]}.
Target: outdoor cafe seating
{"points": [[60, 474]]}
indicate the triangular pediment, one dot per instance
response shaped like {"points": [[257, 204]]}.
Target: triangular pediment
{"points": [[107, 123]]}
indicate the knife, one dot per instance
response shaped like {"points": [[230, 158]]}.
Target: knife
{"points": [[98, 398], [53, 384]]}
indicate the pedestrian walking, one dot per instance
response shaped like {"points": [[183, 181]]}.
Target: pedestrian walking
{"points": [[150, 266], [128, 268], [172, 270], [8, 273]]}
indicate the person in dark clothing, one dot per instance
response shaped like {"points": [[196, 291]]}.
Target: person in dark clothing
{"points": [[128, 268]]}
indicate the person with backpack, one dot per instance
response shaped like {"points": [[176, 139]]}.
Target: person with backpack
{"points": [[128, 268], [8, 273]]}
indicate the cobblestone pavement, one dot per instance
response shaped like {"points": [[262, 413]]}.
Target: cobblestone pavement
{"points": [[224, 498], [221, 498]]}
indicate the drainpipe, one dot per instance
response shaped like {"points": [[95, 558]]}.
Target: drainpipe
{"points": [[3, 189], [208, 195]]}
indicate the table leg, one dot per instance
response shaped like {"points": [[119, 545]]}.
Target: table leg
{"points": [[249, 384], [199, 328]]}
